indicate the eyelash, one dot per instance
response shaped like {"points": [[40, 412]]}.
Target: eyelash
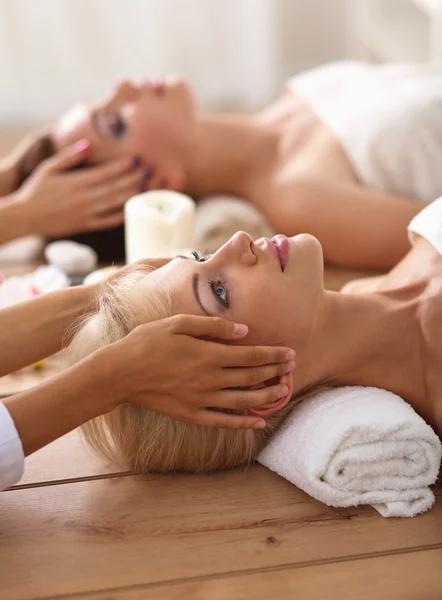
{"points": [[214, 284], [116, 125]]}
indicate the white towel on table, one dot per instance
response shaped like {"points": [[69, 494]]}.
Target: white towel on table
{"points": [[358, 445]]}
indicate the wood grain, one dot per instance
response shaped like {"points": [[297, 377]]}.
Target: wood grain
{"points": [[77, 526], [111, 533], [65, 459], [409, 576]]}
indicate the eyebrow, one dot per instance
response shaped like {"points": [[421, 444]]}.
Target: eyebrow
{"points": [[195, 279]]}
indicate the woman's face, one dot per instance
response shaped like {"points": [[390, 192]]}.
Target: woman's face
{"points": [[244, 282], [153, 120]]}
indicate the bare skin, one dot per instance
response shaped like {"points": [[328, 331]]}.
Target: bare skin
{"points": [[284, 160], [56, 201], [287, 162], [389, 337], [417, 281]]}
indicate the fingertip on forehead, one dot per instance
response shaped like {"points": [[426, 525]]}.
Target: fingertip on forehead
{"points": [[76, 125]]}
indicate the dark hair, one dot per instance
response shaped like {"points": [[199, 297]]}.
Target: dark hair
{"points": [[108, 244], [40, 149]]}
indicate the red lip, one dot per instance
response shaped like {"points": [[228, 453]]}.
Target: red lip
{"points": [[274, 251], [158, 86], [282, 245]]}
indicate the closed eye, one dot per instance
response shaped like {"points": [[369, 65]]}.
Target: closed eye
{"points": [[108, 125], [114, 125]]}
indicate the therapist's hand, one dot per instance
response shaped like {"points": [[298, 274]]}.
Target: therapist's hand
{"points": [[59, 200], [165, 367]]}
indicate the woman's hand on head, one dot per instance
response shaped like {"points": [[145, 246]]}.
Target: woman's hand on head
{"points": [[166, 367], [60, 199]]}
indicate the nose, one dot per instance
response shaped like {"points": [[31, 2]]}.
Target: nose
{"points": [[240, 248], [123, 91]]}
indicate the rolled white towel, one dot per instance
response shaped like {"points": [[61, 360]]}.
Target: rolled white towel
{"points": [[358, 445], [219, 217]]}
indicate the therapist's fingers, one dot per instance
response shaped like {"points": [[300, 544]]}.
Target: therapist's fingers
{"points": [[109, 171], [113, 194], [222, 329], [107, 222], [215, 327], [251, 376], [252, 356], [242, 399]]}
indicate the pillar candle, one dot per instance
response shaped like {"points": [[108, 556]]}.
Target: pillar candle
{"points": [[158, 224]]}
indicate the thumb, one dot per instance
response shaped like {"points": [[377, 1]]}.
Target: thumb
{"points": [[214, 327], [68, 157]]}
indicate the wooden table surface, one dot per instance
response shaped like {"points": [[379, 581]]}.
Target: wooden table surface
{"points": [[75, 527]]}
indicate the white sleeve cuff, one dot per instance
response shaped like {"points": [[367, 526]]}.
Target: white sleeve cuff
{"points": [[12, 458], [428, 224]]}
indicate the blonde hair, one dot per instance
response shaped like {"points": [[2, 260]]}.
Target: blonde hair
{"points": [[143, 440]]}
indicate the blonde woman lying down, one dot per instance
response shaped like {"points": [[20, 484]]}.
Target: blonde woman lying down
{"points": [[347, 152], [389, 338]]}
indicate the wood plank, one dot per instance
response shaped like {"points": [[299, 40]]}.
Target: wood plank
{"points": [[29, 377], [111, 533], [65, 459], [409, 576]]}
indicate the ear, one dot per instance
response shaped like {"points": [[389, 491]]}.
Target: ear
{"points": [[273, 407]]}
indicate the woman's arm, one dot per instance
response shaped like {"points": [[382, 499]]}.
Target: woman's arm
{"points": [[357, 227], [44, 413], [46, 193], [139, 367], [14, 220], [35, 329]]}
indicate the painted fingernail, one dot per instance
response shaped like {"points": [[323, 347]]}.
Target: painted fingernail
{"points": [[82, 146], [148, 173], [289, 366], [136, 161], [259, 425], [240, 329], [283, 391]]}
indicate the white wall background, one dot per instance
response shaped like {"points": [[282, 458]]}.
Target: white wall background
{"points": [[54, 53]]}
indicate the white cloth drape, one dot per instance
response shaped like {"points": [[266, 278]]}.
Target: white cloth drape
{"points": [[54, 53]]}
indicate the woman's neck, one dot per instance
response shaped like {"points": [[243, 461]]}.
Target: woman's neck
{"points": [[233, 154], [370, 340]]}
